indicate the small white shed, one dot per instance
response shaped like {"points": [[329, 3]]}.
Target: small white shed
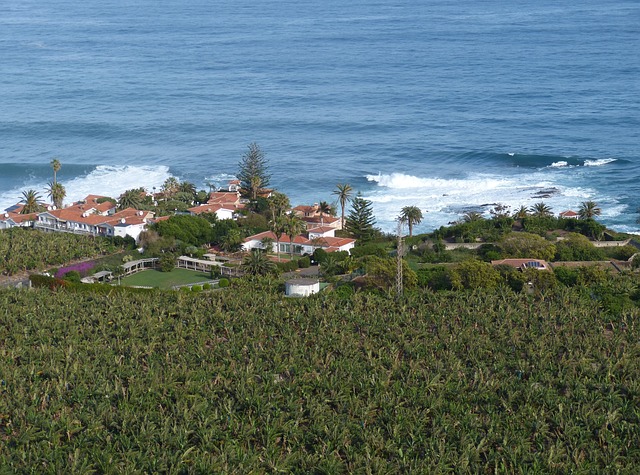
{"points": [[302, 287]]}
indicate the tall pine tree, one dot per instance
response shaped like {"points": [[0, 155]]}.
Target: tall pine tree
{"points": [[361, 222], [253, 172]]}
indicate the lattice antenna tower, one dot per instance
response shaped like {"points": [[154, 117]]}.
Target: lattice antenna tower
{"points": [[400, 253]]}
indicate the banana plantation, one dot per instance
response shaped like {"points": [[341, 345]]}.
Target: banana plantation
{"points": [[26, 249], [246, 381]]}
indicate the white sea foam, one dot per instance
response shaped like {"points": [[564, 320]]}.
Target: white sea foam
{"points": [[611, 210], [114, 180], [219, 180], [598, 162], [559, 164], [445, 200], [103, 180]]}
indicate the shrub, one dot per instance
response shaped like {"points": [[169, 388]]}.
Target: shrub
{"points": [[512, 277], [287, 266], [566, 276], [319, 255], [591, 275], [196, 288], [304, 262], [81, 268], [369, 250], [622, 253], [167, 263], [526, 245], [542, 280], [434, 278], [474, 274], [381, 273], [345, 291], [72, 276], [206, 287], [39, 280], [222, 283], [593, 229], [489, 252], [576, 247]]}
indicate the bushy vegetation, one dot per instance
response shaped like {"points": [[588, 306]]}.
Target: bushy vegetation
{"points": [[247, 381], [29, 249]]}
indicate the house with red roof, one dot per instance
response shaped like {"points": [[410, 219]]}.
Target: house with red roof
{"points": [[569, 214], [322, 221], [306, 211], [95, 219], [224, 204], [219, 210], [319, 238], [12, 220]]}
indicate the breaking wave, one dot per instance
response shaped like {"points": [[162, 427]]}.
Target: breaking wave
{"points": [[445, 200], [102, 180], [598, 162]]}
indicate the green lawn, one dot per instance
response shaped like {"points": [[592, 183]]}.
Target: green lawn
{"points": [[165, 280]]}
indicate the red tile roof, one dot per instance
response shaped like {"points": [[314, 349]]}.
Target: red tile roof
{"points": [[212, 208], [19, 218], [321, 229]]}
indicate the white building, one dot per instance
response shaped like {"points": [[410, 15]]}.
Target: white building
{"points": [[302, 287]]}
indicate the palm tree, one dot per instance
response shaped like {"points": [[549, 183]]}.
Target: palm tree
{"points": [[277, 227], [257, 263], [170, 187], [187, 187], [329, 266], [293, 226], [131, 199], [411, 215], [344, 193], [522, 212], [31, 201], [589, 210], [471, 216], [278, 203], [267, 244], [57, 193], [325, 209], [56, 165], [232, 241], [541, 210]]}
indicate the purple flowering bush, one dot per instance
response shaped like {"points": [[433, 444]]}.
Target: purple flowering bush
{"points": [[82, 268]]}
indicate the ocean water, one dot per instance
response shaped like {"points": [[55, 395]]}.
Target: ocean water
{"points": [[449, 106]]}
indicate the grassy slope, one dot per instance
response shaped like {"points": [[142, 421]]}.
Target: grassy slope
{"points": [[245, 380]]}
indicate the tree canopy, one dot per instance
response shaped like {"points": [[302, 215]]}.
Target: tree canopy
{"points": [[57, 193], [31, 201], [343, 192], [361, 222], [253, 171], [411, 215], [589, 210]]}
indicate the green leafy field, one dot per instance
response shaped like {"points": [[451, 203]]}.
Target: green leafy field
{"points": [[25, 249], [245, 381], [165, 280]]}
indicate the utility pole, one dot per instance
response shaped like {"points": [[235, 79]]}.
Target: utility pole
{"points": [[399, 254]]}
